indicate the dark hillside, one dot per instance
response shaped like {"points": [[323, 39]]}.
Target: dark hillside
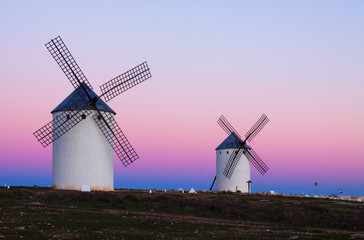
{"points": [[42, 213]]}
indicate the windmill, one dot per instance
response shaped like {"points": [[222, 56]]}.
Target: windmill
{"points": [[83, 156], [232, 169]]}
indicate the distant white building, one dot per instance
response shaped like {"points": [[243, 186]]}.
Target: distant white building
{"points": [[192, 191]]}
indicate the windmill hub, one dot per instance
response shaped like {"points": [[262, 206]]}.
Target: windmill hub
{"points": [[94, 101]]}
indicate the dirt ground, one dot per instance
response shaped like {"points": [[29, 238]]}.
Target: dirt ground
{"points": [[43, 213]]}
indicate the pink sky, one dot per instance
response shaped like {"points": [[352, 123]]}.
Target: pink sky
{"points": [[300, 63]]}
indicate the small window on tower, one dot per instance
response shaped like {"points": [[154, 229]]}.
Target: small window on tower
{"points": [[68, 116], [227, 152], [220, 152], [83, 116]]}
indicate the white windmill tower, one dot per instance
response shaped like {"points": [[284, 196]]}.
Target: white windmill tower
{"points": [[83, 158], [233, 156]]}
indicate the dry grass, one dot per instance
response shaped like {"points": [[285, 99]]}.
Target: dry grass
{"points": [[135, 214]]}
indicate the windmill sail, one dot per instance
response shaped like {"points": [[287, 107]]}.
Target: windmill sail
{"points": [[256, 161], [228, 128], [67, 63], [125, 81], [59, 126], [233, 161], [116, 138], [257, 127]]}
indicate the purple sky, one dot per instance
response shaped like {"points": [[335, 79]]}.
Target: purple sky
{"points": [[301, 63]]}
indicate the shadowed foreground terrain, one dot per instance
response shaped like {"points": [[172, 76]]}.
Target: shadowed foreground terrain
{"points": [[42, 213]]}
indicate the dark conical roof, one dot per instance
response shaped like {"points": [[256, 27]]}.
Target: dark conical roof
{"points": [[229, 142], [77, 101]]}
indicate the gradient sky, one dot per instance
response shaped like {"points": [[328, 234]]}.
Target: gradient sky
{"points": [[299, 62]]}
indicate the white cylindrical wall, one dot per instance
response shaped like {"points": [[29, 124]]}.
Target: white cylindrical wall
{"points": [[83, 156], [240, 176]]}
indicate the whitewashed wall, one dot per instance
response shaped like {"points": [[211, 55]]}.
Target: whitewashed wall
{"points": [[240, 176], [83, 156]]}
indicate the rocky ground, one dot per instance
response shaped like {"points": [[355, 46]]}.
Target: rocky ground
{"points": [[43, 213]]}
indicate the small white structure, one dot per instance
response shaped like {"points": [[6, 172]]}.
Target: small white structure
{"points": [[192, 191], [85, 188], [241, 174], [83, 156]]}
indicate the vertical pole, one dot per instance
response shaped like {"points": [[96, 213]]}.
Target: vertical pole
{"points": [[315, 188], [249, 184]]}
